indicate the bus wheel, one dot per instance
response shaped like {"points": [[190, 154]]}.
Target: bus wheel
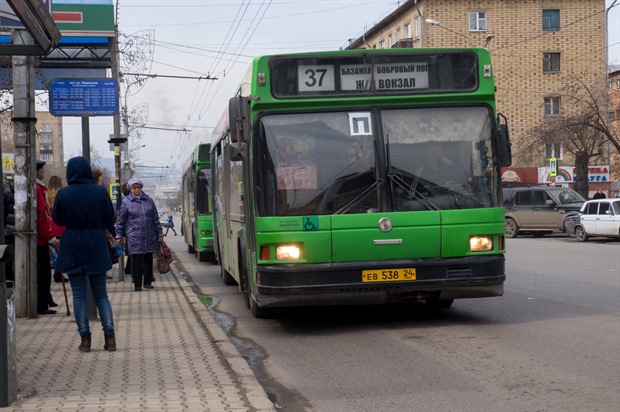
{"points": [[203, 256], [511, 229], [440, 303], [257, 311]]}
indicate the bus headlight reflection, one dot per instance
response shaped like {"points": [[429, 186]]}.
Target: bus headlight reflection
{"points": [[287, 252], [480, 243]]}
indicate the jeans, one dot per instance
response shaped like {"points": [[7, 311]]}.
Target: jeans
{"points": [[80, 306]]}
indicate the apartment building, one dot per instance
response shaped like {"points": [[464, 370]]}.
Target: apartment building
{"points": [[537, 47], [614, 120], [49, 144]]}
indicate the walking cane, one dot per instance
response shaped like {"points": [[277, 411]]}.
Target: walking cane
{"points": [[64, 289]]}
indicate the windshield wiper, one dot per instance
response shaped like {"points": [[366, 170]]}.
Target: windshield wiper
{"points": [[395, 175], [375, 185]]}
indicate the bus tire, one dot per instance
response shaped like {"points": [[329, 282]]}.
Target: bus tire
{"points": [[440, 303], [250, 303], [511, 229], [203, 256]]}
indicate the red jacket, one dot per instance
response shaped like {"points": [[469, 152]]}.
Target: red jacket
{"points": [[45, 235]]}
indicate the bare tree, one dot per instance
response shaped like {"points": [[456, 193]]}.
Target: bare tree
{"points": [[582, 129]]}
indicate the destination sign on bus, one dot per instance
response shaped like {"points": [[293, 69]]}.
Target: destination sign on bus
{"points": [[374, 74], [403, 76]]}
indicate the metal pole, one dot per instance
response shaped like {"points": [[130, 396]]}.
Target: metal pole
{"points": [[24, 121], [117, 135], [86, 137], [607, 86]]}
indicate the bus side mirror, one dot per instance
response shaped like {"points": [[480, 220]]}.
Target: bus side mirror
{"points": [[504, 150], [239, 119]]}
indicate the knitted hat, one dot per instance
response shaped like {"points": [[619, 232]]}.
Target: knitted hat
{"points": [[40, 164], [133, 181]]}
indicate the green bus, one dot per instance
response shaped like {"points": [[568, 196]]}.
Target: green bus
{"points": [[197, 220], [362, 177]]}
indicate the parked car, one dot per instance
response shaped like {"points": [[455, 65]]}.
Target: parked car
{"points": [[600, 217], [539, 210]]}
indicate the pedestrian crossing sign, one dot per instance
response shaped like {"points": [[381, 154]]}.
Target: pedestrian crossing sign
{"points": [[113, 190], [553, 167]]}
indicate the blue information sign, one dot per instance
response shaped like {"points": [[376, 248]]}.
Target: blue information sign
{"points": [[83, 97]]}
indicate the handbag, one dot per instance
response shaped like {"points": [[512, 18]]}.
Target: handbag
{"points": [[164, 258], [116, 251], [162, 265]]}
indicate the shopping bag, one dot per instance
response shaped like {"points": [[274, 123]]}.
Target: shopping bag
{"points": [[53, 257], [164, 251], [162, 265]]}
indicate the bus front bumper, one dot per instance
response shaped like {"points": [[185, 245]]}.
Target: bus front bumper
{"points": [[341, 283]]}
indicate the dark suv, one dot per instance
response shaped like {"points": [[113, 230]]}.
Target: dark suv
{"points": [[539, 209]]}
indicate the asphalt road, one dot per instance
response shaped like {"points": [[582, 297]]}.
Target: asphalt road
{"points": [[551, 343]]}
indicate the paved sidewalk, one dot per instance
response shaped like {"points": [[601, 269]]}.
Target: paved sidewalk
{"points": [[171, 356]]}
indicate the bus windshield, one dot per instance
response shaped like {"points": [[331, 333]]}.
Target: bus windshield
{"points": [[329, 163]]}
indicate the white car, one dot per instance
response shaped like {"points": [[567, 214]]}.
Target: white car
{"points": [[600, 217]]}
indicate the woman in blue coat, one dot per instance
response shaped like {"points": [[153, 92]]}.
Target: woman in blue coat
{"points": [[86, 211], [138, 221]]}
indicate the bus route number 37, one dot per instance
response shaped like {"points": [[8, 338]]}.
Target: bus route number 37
{"points": [[389, 275]]}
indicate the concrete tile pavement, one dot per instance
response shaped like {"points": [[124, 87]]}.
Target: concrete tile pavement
{"points": [[171, 356]]}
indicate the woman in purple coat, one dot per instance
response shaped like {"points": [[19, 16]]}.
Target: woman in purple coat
{"points": [[138, 221]]}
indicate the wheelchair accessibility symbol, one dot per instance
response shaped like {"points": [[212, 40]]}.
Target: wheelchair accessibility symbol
{"points": [[311, 223]]}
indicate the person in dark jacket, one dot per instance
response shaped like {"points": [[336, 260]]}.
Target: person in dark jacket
{"points": [[138, 221], [86, 211]]}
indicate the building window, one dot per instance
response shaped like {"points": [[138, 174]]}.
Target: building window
{"points": [[618, 83], [551, 19], [553, 150], [46, 137], [390, 41], [47, 147], [611, 115], [408, 31], [477, 21], [551, 62], [610, 85], [381, 44], [417, 26], [398, 34], [48, 158], [552, 106], [5, 126], [45, 127]]}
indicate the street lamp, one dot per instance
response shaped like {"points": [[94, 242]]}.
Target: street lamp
{"points": [[436, 23]]}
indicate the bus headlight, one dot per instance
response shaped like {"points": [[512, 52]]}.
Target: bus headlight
{"points": [[287, 252], [480, 243]]}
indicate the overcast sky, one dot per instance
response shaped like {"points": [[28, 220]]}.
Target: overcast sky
{"points": [[217, 38]]}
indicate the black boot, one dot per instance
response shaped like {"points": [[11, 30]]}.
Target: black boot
{"points": [[110, 342], [85, 345]]}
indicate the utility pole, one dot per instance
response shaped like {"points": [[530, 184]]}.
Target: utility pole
{"points": [[117, 140], [24, 121]]}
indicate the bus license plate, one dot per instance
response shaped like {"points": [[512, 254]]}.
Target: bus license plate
{"points": [[388, 275]]}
